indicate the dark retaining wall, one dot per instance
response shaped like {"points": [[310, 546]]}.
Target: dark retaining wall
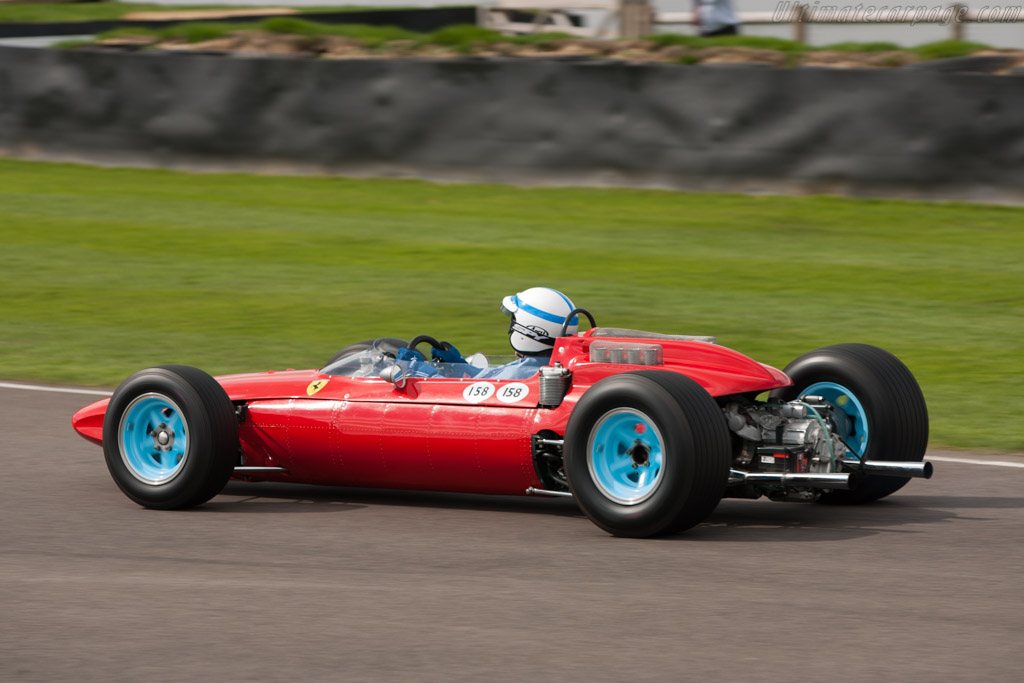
{"points": [[896, 131]]}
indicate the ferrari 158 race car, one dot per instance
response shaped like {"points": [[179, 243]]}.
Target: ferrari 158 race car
{"points": [[647, 432]]}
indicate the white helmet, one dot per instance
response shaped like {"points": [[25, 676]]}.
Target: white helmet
{"points": [[537, 317]]}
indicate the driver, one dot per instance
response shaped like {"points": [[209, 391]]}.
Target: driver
{"points": [[537, 316]]}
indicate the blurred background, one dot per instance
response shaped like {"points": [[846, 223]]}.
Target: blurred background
{"points": [[992, 23], [250, 193]]}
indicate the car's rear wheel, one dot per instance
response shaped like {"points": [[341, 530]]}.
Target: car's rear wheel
{"points": [[170, 437], [646, 453], [881, 410]]}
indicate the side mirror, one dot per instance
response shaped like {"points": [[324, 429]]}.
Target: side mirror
{"points": [[394, 375]]}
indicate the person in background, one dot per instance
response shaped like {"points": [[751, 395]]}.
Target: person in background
{"points": [[715, 18]]}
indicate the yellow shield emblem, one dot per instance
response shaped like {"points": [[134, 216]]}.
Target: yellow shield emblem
{"points": [[316, 386]]}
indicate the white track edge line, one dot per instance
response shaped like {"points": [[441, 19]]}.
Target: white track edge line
{"points": [[54, 390], [970, 461]]}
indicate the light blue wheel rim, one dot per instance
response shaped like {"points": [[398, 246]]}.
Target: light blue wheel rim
{"points": [[853, 430], [153, 439], [619, 438]]}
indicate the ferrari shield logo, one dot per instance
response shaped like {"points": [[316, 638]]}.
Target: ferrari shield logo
{"points": [[316, 386]]}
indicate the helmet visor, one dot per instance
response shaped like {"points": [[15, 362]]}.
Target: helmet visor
{"points": [[510, 304]]}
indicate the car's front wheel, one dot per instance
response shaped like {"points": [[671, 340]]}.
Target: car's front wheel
{"points": [[646, 453], [170, 437]]}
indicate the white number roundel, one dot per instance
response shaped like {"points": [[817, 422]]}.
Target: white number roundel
{"points": [[513, 393], [478, 391]]}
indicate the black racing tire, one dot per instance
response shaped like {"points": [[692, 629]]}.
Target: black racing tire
{"points": [[191, 412], [892, 403], [683, 424], [389, 344]]}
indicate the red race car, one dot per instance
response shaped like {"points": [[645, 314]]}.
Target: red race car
{"points": [[646, 431]]}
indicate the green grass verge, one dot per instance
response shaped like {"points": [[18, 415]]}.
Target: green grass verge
{"points": [[105, 271], [945, 49], [759, 42], [458, 38], [850, 46], [97, 11], [464, 38], [76, 11], [937, 50]]}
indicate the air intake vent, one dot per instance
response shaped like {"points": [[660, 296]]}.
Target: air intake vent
{"points": [[629, 353]]}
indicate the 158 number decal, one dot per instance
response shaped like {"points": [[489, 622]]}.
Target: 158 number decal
{"points": [[478, 391], [508, 393], [513, 393]]}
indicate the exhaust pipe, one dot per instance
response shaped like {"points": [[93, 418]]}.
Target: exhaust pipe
{"points": [[810, 480], [890, 468], [841, 480]]}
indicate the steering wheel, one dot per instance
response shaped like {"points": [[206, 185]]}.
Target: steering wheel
{"points": [[441, 346]]}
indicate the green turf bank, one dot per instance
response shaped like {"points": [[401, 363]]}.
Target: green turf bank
{"points": [[911, 131]]}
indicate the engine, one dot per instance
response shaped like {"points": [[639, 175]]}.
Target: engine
{"points": [[795, 437]]}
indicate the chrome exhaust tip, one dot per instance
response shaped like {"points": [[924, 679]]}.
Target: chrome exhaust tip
{"points": [[890, 468]]}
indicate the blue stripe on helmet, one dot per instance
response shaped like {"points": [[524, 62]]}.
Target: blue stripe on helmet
{"points": [[544, 315], [564, 298]]}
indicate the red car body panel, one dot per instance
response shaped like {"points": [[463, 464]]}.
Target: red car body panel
{"points": [[434, 433], [88, 421]]}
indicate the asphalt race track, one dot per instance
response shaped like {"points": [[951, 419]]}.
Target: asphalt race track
{"points": [[283, 583]]}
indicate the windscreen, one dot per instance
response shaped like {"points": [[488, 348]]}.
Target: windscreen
{"points": [[370, 362]]}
